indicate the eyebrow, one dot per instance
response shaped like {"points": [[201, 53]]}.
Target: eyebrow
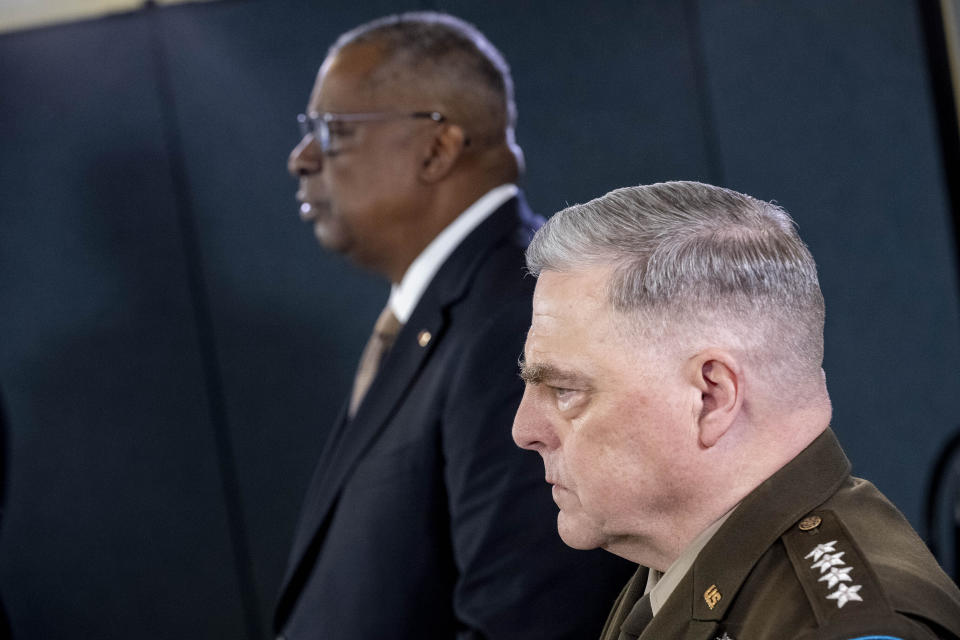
{"points": [[541, 372]]}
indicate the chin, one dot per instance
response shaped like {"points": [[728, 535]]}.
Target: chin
{"points": [[577, 535], [330, 238]]}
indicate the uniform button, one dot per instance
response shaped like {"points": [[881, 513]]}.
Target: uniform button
{"points": [[424, 338], [809, 523]]}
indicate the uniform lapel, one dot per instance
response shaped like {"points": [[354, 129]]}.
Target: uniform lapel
{"points": [[698, 606], [397, 374], [760, 519], [675, 619], [672, 621], [663, 626]]}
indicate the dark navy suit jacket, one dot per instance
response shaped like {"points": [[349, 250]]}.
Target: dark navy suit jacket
{"points": [[423, 519]]}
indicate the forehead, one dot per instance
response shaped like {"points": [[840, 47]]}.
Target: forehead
{"points": [[348, 81], [571, 315], [567, 296], [345, 78], [575, 333]]}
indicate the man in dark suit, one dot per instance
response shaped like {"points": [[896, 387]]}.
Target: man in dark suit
{"points": [[675, 393], [422, 519]]}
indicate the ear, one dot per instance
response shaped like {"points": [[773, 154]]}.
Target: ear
{"points": [[719, 377], [446, 147]]}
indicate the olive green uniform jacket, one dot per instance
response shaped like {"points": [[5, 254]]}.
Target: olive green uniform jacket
{"points": [[811, 553]]}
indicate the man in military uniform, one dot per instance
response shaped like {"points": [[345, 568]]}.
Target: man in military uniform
{"points": [[675, 392]]}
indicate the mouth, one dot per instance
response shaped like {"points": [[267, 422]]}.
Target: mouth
{"points": [[312, 211], [560, 495], [554, 482]]}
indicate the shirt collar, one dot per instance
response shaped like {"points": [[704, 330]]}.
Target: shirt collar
{"points": [[661, 585], [405, 295]]}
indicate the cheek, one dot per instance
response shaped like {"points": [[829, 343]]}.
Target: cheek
{"points": [[340, 182], [618, 456], [594, 473], [351, 206], [363, 197]]}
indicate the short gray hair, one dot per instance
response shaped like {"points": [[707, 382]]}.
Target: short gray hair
{"points": [[687, 253], [444, 49]]}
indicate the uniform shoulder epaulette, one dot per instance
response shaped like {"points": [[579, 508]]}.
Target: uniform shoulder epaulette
{"points": [[844, 592]]}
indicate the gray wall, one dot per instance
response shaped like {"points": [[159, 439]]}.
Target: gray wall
{"points": [[173, 344]]}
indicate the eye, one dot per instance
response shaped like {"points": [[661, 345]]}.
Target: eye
{"points": [[566, 398], [337, 134], [340, 130]]}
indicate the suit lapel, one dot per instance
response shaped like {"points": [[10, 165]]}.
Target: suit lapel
{"points": [[398, 372], [354, 437]]}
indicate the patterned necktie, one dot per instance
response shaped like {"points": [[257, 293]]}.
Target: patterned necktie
{"points": [[384, 334]]}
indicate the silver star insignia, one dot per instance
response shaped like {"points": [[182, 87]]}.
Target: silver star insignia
{"points": [[828, 560], [821, 549], [835, 575], [845, 594]]}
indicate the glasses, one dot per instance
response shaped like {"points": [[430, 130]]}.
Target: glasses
{"points": [[319, 124]]}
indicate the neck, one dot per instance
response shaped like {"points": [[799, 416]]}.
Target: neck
{"points": [[724, 474], [661, 548], [443, 207]]}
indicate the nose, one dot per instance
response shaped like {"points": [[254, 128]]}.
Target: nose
{"points": [[531, 428], [305, 158]]}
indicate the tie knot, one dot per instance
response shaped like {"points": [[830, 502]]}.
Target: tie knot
{"points": [[387, 326]]}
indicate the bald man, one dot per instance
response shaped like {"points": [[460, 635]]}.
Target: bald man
{"points": [[423, 520]]}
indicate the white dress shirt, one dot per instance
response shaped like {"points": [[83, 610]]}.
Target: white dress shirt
{"points": [[405, 296]]}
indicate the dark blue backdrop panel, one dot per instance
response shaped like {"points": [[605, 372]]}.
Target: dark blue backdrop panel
{"points": [[607, 92], [290, 320], [826, 107], [115, 525]]}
